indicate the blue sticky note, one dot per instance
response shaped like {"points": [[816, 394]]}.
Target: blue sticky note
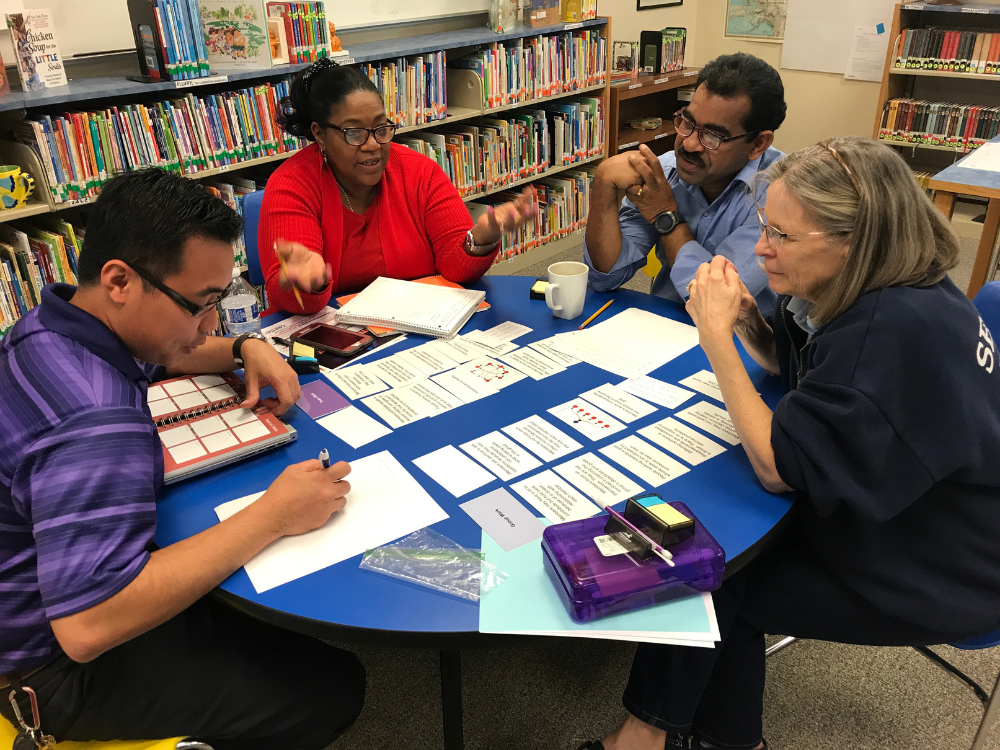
{"points": [[528, 602], [880, 28]]}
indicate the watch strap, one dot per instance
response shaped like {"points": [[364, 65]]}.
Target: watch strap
{"points": [[238, 346], [477, 251]]}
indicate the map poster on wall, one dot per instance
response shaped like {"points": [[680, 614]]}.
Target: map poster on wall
{"points": [[760, 20]]}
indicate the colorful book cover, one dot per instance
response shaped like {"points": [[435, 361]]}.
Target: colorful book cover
{"points": [[39, 63], [235, 34]]}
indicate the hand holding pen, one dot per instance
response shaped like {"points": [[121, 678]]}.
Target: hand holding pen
{"points": [[301, 268]]}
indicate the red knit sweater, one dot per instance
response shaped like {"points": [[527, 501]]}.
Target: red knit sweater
{"points": [[422, 222]]}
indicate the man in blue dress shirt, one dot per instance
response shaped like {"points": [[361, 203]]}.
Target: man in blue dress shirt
{"points": [[694, 202]]}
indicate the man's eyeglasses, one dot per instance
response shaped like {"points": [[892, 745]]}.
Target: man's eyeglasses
{"points": [[194, 308], [708, 138], [359, 136], [775, 237]]}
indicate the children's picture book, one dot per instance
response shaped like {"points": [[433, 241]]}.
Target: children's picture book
{"points": [[236, 35], [624, 60], [36, 50]]}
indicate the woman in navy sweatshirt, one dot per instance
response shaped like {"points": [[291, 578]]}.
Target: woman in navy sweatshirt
{"points": [[890, 432]]}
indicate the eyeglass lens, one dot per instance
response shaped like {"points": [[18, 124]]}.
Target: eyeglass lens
{"points": [[708, 139], [774, 236], [359, 136]]}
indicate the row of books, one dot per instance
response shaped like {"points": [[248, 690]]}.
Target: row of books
{"points": [[944, 50], [80, 151], [184, 48], [307, 32], [33, 254], [540, 66], [939, 123], [563, 203], [489, 153], [415, 90], [673, 45]]}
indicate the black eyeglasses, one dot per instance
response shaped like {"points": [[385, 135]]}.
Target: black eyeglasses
{"points": [[194, 308], [359, 136], [708, 138]]}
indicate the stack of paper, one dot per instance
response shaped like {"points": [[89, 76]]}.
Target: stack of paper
{"points": [[409, 306]]}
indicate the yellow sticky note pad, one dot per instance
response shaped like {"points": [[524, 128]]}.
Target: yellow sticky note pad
{"points": [[301, 350], [668, 514]]}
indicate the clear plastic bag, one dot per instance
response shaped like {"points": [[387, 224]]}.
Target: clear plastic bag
{"points": [[430, 559]]}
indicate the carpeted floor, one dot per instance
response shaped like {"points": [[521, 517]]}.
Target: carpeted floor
{"points": [[553, 694]]}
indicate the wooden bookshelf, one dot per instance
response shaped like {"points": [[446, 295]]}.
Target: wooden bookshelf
{"points": [[645, 96]]}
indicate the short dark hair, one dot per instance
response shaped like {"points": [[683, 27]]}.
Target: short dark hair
{"points": [[322, 85], [144, 218], [731, 75]]}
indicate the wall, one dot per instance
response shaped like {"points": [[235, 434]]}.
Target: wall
{"points": [[627, 22], [820, 105]]}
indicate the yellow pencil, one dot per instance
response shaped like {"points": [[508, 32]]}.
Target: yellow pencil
{"points": [[284, 270], [588, 320]]}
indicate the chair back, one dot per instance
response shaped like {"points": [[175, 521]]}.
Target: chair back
{"points": [[251, 215], [988, 304]]}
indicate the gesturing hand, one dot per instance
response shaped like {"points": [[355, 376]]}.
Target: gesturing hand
{"points": [[618, 170], [263, 366], [306, 269], [505, 218], [654, 195], [716, 300]]}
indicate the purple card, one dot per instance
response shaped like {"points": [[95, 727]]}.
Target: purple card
{"points": [[318, 399]]}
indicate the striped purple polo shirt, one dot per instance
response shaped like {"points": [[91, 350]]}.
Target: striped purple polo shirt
{"points": [[80, 465]]}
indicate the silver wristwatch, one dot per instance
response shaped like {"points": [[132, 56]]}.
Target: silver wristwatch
{"points": [[477, 251], [238, 346], [667, 222]]}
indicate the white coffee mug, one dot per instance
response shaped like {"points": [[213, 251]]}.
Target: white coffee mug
{"points": [[567, 289]]}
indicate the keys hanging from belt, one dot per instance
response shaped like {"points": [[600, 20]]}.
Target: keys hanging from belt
{"points": [[30, 737]]}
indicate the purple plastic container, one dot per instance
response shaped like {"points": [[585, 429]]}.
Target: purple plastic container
{"points": [[592, 585]]}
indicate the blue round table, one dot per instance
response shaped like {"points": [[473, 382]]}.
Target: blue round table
{"points": [[347, 604]]}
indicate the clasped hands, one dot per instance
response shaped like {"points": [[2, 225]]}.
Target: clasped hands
{"points": [[640, 175], [719, 302]]}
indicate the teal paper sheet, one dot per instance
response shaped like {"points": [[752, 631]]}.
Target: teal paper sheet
{"points": [[527, 602]]}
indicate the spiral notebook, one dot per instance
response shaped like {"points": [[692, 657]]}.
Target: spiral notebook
{"points": [[202, 427], [412, 307]]}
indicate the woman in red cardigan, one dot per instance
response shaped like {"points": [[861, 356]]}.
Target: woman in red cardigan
{"points": [[353, 206]]}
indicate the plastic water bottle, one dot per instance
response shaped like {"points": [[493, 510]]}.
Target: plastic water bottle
{"points": [[239, 307]]}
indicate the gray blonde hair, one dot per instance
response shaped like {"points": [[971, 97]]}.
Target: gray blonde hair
{"points": [[862, 193]]}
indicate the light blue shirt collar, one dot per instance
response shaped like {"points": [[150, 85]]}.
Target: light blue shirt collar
{"points": [[800, 309]]}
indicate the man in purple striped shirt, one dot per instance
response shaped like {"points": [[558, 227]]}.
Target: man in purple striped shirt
{"points": [[117, 638]]}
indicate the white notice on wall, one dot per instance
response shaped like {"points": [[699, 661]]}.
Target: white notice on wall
{"points": [[541, 438], [604, 484], [682, 441], [501, 455], [646, 462], [867, 58], [554, 498], [711, 419]]}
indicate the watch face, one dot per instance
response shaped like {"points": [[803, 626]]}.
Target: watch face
{"points": [[665, 223]]}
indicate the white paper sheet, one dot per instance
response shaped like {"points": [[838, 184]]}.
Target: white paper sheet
{"points": [[207, 426], [866, 61], [650, 464], [180, 386], [394, 370], [597, 479], [656, 391], [541, 438], [711, 419], [354, 427], [395, 409], [283, 328], [356, 382], [428, 359], [384, 504], [176, 435], [501, 455], [219, 441], [632, 343], [682, 441], [161, 407], [818, 35], [545, 347], [487, 346], [532, 363], [155, 393], [554, 498], [464, 384], [587, 419], [455, 349], [238, 417], [986, 157], [503, 333], [493, 372], [428, 398], [705, 383], [190, 400], [618, 403], [187, 451], [218, 393], [251, 431], [454, 471]]}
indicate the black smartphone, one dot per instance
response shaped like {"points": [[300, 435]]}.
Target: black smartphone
{"points": [[327, 338]]}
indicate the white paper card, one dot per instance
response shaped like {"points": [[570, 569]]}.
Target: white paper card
{"points": [[354, 427], [493, 372], [190, 400], [656, 391], [464, 384], [428, 398], [427, 359], [541, 438], [502, 333], [532, 363], [394, 370], [161, 407], [218, 393], [501, 455], [455, 349], [711, 419], [682, 441], [650, 464], [219, 441], [356, 382], [207, 381], [207, 426], [239, 416], [597, 479], [155, 393], [454, 471], [545, 347], [587, 418], [384, 504], [618, 403], [176, 435], [705, 383], [179, 387], [489, 348], [554, 498], [187, 452], [251, 431], [394, 408]]}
